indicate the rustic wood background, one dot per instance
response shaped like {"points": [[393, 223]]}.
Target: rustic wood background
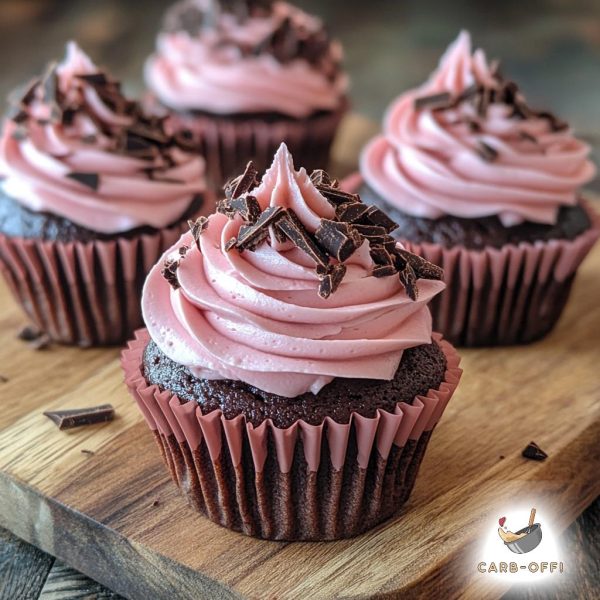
{"points": [[551, 47]]}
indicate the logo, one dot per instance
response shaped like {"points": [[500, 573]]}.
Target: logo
{"points": [[525, 540], [514, 535]]}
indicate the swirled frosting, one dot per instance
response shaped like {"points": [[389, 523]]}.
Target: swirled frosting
{"points": [[255, 316], [278, 60], [476, 150], [77, 148]]}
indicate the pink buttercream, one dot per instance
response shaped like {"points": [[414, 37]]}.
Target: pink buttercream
{"points": [[426, 163], [203, 73], [35, 168], [257, 317]]}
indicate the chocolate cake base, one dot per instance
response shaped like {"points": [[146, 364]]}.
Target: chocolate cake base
{"points": [[422, 368], [475, 234], [16, 220]]}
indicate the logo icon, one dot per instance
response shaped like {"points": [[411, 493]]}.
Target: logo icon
{"points": [[523, 541]]}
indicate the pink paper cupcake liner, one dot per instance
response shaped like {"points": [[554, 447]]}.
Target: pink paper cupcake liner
{"points": [[502, 296], [228, 143], [84, 293], [305, 482]]}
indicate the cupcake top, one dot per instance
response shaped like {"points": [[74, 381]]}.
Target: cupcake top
{"points": [[291, 284], [75, 146], [467, 144], [245, 56]]}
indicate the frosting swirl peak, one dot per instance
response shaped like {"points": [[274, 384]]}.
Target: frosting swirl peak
{"points": [[75, 146], [255, 308], [467, 144]]}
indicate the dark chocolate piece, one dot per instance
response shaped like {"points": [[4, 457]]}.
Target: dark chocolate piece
{"points": [[295, 231], [335, 196], [340, 239], [76, 417], [423, 268], [169, 272], [534, 452], [320, 177], [383, 270], [91, 180], [197, 227], [408, 279], [376, 216], [331, 277], [251, 235], [351, 212], [433, 102], [93, 78], [247, 207], [243, 183]]}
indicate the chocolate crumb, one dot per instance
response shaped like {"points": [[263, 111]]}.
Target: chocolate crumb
{"points": [[169, 272], [156, 502], [501, 457], [29, 333], [3, 379], [88, 452], [534, 452], [76, 417]]}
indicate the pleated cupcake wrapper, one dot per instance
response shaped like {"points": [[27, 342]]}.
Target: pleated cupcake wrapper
{"points": [[511, 295], [227, 144], [303, 482], [84, 293]]}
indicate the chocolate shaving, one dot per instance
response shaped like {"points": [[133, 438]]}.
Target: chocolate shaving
{"points": [[408, 279], [252, 235], [335, 196], [91, 180], [197, 228], [534, 452], [433, 102], [169, 272], [383, 270], [376, 216], [320, 177], [422, 268], [340, 239], [486, 152], [295, 231], [351, 212], [331, 277], [94, 79], [67, 419], [246, 206], [243, 183]]}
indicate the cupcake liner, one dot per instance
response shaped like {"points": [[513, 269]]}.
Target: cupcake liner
{"points": [[228, 143], [84, 293], [502, 296], [305, 482]]}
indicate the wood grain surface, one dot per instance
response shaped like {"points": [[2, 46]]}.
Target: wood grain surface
{"points": [[114, 514]]}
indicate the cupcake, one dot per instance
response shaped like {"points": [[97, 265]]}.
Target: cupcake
{"points": [[488, 188], [238, 77], [288, 369], [93, 191]]}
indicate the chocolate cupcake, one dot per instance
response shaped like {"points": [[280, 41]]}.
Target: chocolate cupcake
{"points": [[288, 370], [93, 192], [240, 77], [488, 188]]}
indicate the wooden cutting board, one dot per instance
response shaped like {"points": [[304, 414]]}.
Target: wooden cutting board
{"points": [[116, 516]]}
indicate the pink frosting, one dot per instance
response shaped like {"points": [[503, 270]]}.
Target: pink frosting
{"points": [[257, 317], [426, 163], [202, 73], [35, 168]]}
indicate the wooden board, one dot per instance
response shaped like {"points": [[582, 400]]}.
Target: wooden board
{"points": [[98, 512]]}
